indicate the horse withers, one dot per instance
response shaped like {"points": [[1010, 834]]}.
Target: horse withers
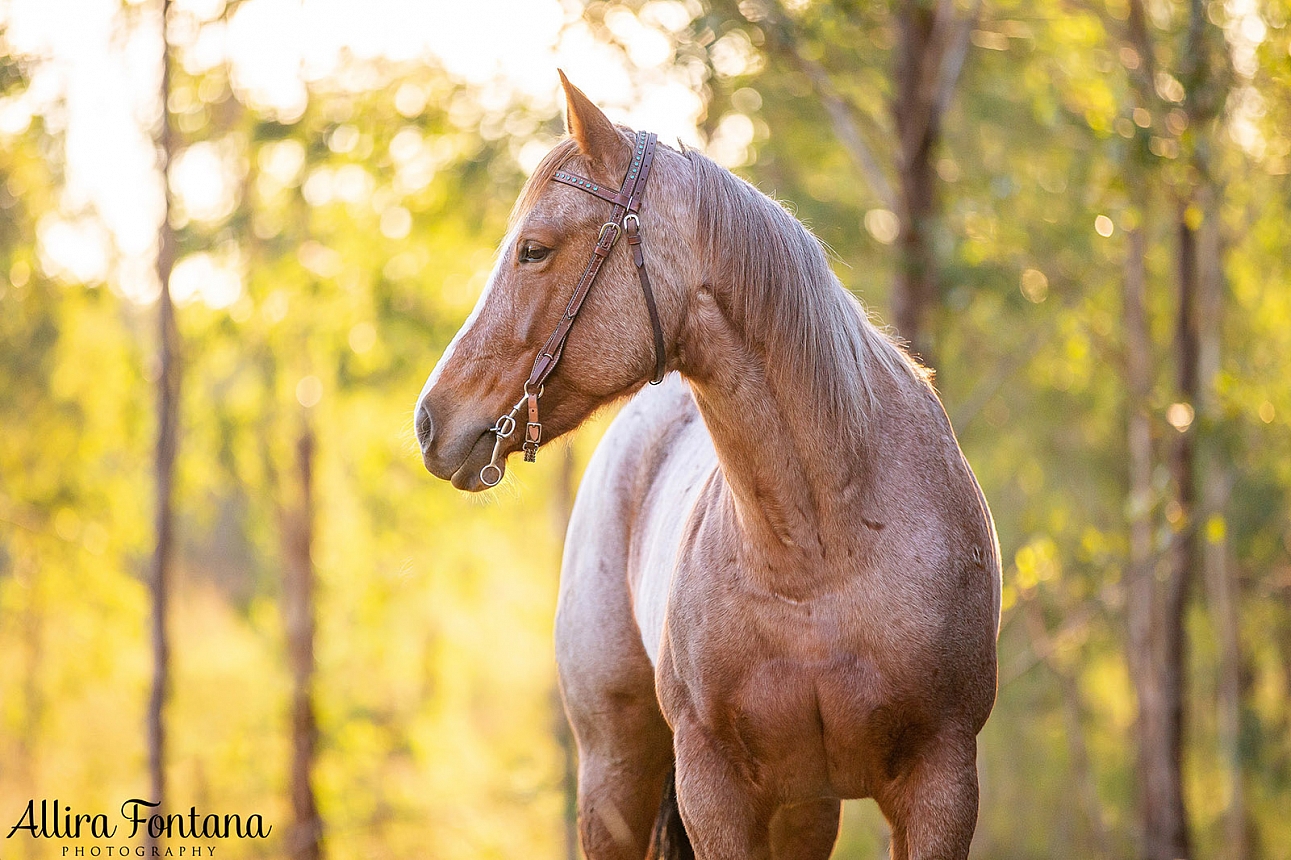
{"points": [[781, 581]]}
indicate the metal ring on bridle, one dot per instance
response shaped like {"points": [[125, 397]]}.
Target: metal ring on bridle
{"points": [[506, 426], [501, 430], [526, 390]]}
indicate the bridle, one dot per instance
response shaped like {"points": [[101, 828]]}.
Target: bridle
{"points": [[623, 219]]}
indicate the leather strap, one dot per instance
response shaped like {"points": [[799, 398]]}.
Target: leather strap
{"points": [[632, 226], [633, 230], [589, 186], [623, 219]]}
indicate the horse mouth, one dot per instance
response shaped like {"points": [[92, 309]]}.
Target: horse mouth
{"points": [[467, 475]]}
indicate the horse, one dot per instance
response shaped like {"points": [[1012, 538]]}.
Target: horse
{"points": [[781, 581]]}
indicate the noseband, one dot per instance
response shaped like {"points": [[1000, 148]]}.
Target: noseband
{"points": [[623, 220]]}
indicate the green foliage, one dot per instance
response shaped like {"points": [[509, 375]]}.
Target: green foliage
{"points": [[363, 231]]}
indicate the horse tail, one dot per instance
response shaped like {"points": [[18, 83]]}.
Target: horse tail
{"points": [[669, 840]]}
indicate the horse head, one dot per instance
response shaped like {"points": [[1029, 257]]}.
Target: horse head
{"points": [[610, 351]]}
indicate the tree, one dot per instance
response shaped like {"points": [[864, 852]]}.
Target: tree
{"points": [[1157, 599], [168, 392], [931, 44], [304, 841]]}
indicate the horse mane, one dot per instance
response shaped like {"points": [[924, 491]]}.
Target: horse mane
{"points": [[777, 283]]}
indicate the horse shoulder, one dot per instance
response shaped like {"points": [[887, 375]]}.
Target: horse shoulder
{"points": [[618, 549]]}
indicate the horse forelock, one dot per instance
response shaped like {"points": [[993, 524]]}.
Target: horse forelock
{"points": [[773, 276]]}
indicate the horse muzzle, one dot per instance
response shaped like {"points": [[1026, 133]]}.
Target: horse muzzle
{"points": [[456, 456]]}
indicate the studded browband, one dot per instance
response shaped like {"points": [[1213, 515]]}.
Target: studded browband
{"points": [[624, 219]]}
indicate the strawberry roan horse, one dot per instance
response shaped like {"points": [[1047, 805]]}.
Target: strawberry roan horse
{"points": [[781, 581]]}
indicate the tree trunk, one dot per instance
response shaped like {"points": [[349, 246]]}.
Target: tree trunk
{"points": [[932, 43], [1167, 833], [1222, 586], [1157, 596], [1154, 618], [168, 385], [917, 118], [304, 841], [35, 613]]}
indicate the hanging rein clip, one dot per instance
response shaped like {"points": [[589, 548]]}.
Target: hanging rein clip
{"points": [[502, 430]]}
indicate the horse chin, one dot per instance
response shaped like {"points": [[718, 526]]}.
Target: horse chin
{"points": [[467, 476]]}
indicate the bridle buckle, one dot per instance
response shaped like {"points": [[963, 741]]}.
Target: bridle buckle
{"points": [[600, 237], [532, 439]]}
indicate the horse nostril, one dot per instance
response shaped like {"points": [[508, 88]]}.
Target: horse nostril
{"points": [[425, 427]]}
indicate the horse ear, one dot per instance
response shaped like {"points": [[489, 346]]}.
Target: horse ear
{"points": [[597, 137]]}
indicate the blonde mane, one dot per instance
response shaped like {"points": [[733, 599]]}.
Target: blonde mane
{"points": [[776, 282]]}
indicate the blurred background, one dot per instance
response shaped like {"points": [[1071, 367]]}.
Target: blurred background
{"points": [[222, 287]]}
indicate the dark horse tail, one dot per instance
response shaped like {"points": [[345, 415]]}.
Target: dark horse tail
{"points": [[669, 841]]}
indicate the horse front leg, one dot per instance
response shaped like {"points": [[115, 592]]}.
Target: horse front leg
{"points": [[726, 813], [618, 801], [933, 807], [624, 755]]}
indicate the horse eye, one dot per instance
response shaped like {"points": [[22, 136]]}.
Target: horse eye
{"points": [[533, 254]]}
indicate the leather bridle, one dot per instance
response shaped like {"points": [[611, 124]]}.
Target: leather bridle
{"points": [[623, 220]]}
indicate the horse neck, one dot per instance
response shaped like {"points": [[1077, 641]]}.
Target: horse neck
{"points": [[796, 460]]}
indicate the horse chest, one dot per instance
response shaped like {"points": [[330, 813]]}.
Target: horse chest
{"points": [[807, 692], [719, 608]]}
